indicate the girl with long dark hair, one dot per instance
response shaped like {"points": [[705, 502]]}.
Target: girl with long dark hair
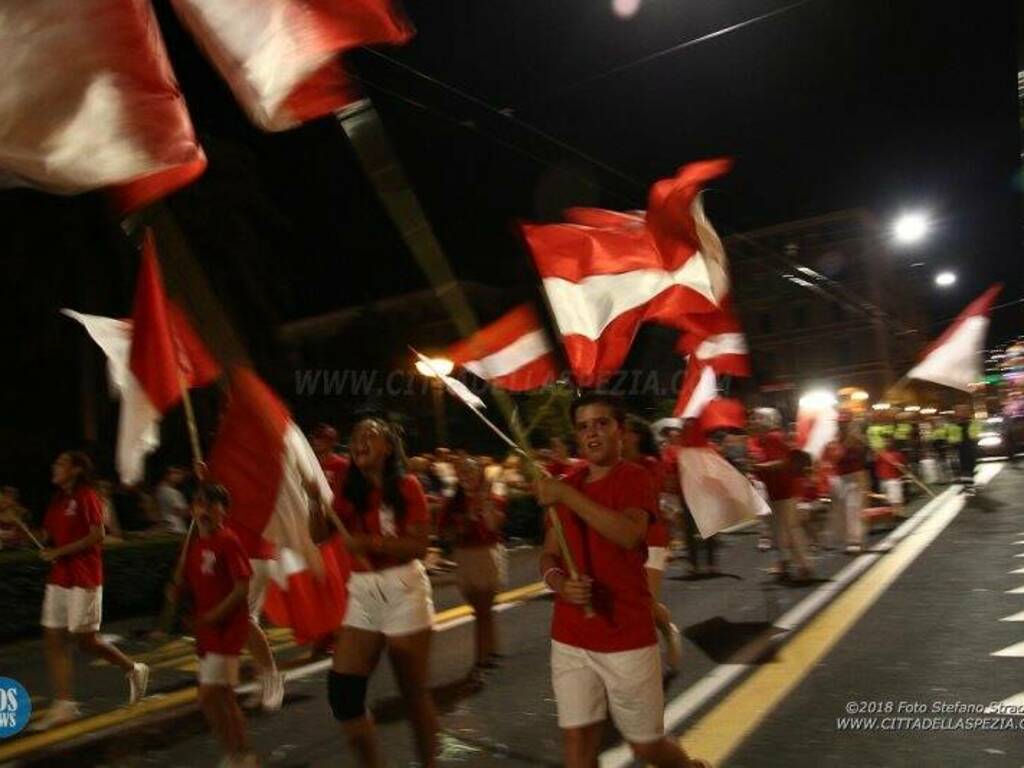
{"points": [[389, 602]]}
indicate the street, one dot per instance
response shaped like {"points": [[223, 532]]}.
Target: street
{"points": [[769, 669]]}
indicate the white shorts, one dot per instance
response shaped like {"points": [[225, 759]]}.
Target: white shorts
{"points": [[481, 569], [76, 609], [396, 601], [258, 586], [218, 669], [588, 685], [893, 490], [657, 558]]}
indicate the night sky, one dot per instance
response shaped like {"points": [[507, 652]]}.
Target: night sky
{"points": [[831, 104]]}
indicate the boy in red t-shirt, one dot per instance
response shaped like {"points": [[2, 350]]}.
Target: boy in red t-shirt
{"points": [[217, 574], [889, 464], [73, 601], [604, 661]]}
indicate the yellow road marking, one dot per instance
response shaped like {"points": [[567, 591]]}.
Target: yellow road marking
{"points": [[717, 735], [159, 702]]}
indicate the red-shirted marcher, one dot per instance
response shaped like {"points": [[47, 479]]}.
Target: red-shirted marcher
{"points": [[389, 596], [323, 440], [848, 455], [639, 447], [472, 520], [217, 574], [73, 602], [604, 661], [889, 466]]}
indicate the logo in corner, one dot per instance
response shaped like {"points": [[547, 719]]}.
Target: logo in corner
{"points": [[15, 707]]}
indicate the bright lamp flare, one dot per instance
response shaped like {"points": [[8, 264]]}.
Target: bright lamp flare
{"points": [[817, 399], [860, 394], [438, 366], [625, 9], [910, 228], [944, 279], [881, 406]]}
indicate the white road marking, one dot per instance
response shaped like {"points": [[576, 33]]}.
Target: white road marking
{"points": [[1014, 617], [1014, 651], [1017, 591], [1019, 570]]}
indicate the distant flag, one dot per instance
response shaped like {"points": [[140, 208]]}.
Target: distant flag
{"points": [[281, 58], [511, 353], [817, 424], [606, 277], [955, 358], [88, 101]]}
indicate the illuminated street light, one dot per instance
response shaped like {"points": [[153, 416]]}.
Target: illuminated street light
{"points": [[433, 368], [438, 366], [912, 408], [625, 9], [817, 399], [881, 406], [928, 411], [860, 394], [945, 279], [910, 228]]}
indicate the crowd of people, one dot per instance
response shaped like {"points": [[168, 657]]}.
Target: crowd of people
{"points": [[618, 513]]}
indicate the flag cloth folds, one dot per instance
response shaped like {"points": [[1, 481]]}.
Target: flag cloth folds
{"points": [[312, 605], [717, 494], [281, 57], [512, 353], [955, 358], [88, 100], [605, 273]]}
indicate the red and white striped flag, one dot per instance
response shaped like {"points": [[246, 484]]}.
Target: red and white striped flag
{"points": [[281, 57], [606, 277], [269, 468], [512, 353], [955, 358], [88, 100]]}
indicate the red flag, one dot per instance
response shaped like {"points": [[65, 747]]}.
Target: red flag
{"points": [[606, 273], [88, 100], [955, 358], [281, 57], [513, 352], [312, 605]]}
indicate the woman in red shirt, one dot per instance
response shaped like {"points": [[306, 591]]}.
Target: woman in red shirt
{"points": [[638, 446], [473, 519], [73, 602], [389, 597]]}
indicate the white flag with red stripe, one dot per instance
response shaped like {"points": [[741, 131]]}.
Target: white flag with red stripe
{"points": [[88, 100], [955, 358], [606, 273], [717, 494], [512, 353], [817, 424], [281, 58]]}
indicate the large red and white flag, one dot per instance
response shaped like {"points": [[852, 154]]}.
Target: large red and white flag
{"points": [[606, 273], [88, 100], [273, 475], [955, 359], [717, 494], [817, 423], [512, 353], [281, 58]]}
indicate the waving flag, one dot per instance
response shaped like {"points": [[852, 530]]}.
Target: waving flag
{"points": [[88, 100], [512, 353], [281, 57], [955, 358], [606, 273], [311, 604]]}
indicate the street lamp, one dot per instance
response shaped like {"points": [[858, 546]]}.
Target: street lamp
{"points": [[945, 279], [433, 369], [817, 400], [910, 228]]}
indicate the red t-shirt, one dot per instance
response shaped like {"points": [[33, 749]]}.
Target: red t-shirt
{"points": [[334, 467], [562, 467], [886, 465], [845, 459], [779, 480], [657, 529], [213, 564], [380, 520], [256, 547], [620, 598], [470, 530], [68, 519]]}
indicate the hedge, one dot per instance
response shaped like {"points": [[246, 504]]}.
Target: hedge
{"points": [[134, 576]]}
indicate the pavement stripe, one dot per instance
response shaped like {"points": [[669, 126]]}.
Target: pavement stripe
{"points": [[1017, 591], [1014, 651], [161, 702], [1018, 571], [1014, 617]]}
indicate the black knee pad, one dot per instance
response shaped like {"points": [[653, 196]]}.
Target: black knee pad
{"points": [[347, 695]]}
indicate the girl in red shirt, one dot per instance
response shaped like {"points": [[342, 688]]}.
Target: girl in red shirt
{"points": [[473, 520], [389, 597], [73, 602]]}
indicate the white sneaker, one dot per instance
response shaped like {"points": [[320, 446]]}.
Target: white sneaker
{"points": [[138, 682], [60, 712], [272, 695]]}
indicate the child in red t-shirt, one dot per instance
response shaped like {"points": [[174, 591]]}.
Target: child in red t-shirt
{"points": [[217, 574], [889, 464]]}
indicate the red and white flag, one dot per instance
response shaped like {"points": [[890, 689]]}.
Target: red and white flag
{"points": [[955, 358], [512, 353], [699, 388], [607, 276], [273, 475], [281, 58], [88, 100], [717, 494], [817, 424]]}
